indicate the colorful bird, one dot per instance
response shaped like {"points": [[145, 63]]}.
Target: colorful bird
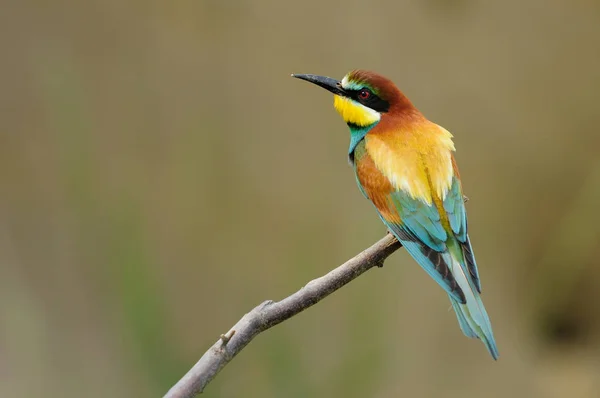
{"points": [[404, 165]]}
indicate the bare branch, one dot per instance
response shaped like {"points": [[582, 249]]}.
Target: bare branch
{"points": [[270, 313]]}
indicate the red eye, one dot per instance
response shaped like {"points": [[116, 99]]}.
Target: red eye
{"points": [[364, 94]]}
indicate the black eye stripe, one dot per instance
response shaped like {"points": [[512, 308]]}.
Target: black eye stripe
{"points": [[373, 101]]}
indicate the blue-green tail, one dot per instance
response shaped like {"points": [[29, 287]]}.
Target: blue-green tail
{"points": [[472, 316]]}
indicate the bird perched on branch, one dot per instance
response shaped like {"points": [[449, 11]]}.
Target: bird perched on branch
{"points": [[404, 165]]}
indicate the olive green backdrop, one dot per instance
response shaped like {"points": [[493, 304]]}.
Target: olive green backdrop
{"points": [[161, 174]]}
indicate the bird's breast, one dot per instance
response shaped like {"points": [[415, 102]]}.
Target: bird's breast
{"points": [[376, 186]]}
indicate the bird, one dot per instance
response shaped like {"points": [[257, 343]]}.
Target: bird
{"points": [[404, 164]]}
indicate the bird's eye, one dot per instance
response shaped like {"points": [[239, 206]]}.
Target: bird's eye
{"points": [[364, 94]]}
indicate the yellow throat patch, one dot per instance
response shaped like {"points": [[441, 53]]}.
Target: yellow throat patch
{"points": [[355, 113]]}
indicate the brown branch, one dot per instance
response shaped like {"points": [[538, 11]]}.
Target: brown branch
{"points": [[270, 313]]}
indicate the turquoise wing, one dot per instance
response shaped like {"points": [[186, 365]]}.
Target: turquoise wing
{"points": [[424, 237], [421, 231], [454, 205]]}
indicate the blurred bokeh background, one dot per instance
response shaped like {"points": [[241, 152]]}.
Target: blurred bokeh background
{"points": [[161, 174]]}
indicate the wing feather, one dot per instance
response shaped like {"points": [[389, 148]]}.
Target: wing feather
{"points": [[415, 223]]}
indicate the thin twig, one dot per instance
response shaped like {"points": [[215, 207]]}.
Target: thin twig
{"points": [[270, 313]]}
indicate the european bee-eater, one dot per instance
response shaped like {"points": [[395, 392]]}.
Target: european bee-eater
{"points": [[404, 165]]}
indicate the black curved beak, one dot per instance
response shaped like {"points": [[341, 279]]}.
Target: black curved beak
{"points": [[329, 84]]}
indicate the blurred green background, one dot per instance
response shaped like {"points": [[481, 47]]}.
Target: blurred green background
{"points": [[161, 174]]}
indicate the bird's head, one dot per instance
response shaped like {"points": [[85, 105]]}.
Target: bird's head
{"points": [[362, 98]]}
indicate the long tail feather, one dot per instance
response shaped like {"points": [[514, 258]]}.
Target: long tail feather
{"points": [[472, 316]]}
